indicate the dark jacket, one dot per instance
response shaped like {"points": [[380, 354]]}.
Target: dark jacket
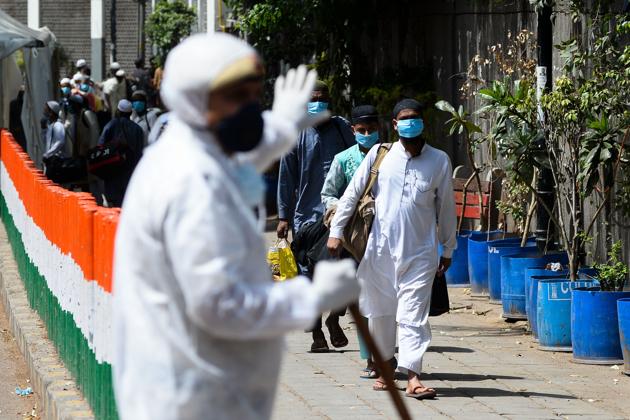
{"points": [[125, 131]]}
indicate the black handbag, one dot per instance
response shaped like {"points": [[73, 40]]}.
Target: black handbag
{"points": [[110, 159], [65, 170], [439, 297]]}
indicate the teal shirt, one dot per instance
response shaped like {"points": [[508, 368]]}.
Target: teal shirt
{"points": [[342, 169]]}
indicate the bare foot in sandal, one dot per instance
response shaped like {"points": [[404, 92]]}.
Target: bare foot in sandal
{"points": [[379, 385], [416, 390]]}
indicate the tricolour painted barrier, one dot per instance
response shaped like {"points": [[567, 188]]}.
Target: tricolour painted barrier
{"points": [[63, 244]]}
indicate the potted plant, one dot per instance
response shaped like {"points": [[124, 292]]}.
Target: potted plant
{"points": [[461, 123], [509, 101], [509, 108], [594, 316]]}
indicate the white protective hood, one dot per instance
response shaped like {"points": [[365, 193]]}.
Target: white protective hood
{"points": [[185, 88]]}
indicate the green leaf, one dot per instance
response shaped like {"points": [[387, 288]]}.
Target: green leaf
{"points": [[445, 106], [472, 127]]}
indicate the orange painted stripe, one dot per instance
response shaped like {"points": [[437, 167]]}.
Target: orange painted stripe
{"points": [[105, 223], [70, 220]]}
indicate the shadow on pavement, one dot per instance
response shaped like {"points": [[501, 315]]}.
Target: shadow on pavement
{"points": [[479, 331], [449, 349], [333, 351], [495, 392], [439, 376]]}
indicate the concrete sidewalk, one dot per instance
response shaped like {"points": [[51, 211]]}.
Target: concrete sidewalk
{"points": [[481, 366]]}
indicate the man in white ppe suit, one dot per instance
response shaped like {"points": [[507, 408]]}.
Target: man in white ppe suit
{"points": [[198, 322], [413, 193]]}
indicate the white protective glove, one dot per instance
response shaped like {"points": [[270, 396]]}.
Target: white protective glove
{"points": [[286, 119], [292, 94], [335, 284]]}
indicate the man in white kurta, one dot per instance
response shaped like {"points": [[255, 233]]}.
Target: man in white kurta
{"points": [[413, 193]]}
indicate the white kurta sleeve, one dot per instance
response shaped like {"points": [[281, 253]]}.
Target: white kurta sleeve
{"points": [[211, 259], [334, 183], [350, 198], [445, 210], [279, 138]]}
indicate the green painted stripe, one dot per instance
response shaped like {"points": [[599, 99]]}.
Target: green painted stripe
{"points": [[93, 378]]}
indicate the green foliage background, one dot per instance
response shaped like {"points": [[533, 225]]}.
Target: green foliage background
{"points": [[328, 34], [168, 25]]}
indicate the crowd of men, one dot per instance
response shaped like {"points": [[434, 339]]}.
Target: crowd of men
{"points": [[124, 108], [195, 308]]}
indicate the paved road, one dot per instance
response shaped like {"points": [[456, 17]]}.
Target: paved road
{"points": [[13, 373], [482, 368]]}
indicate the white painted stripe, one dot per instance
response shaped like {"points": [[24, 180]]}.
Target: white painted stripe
{"points": [[33, 14], [89, 304], [96, 19]]}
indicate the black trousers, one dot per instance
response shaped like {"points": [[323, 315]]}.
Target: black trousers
{"points": [[318, 324]]}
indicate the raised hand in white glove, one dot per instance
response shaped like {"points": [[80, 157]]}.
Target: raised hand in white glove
{"points": [[292, 94], [335, 284], [286, 119]]}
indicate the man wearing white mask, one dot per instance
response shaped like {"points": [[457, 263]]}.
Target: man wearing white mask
{"points": [[413, 193], [198, 321]]}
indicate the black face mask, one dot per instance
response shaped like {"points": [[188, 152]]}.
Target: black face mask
{"points": [[242, 131]]}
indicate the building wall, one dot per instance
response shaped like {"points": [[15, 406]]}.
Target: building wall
{"points": [[443, 36], [69, 20], [15, 8], [127, 30]]}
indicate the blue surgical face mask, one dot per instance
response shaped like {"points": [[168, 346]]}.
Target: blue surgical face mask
{"points": [[138, 106], [367, 140], [84, 87], [65, 90], [317, 107], [250, 184], [410, 128]]}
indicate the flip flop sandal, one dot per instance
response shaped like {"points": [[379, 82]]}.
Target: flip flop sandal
{"points": [[380, 386], [368, 374], [428, 394]]}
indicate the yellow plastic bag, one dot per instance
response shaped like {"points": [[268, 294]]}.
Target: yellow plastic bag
{"points": [[281, 261]]}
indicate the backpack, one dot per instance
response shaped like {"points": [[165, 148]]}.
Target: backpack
{"points": [[357, 231]]}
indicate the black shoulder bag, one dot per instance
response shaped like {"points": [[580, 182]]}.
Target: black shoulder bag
{"points": [[110, 159]]}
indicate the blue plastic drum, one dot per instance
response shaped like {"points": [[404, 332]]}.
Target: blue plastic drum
{"points": [[595, 327], [623, 313], [496, 250], [478, 260], [532, 277], [513, 292], [457, 274], [554, 312]]}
